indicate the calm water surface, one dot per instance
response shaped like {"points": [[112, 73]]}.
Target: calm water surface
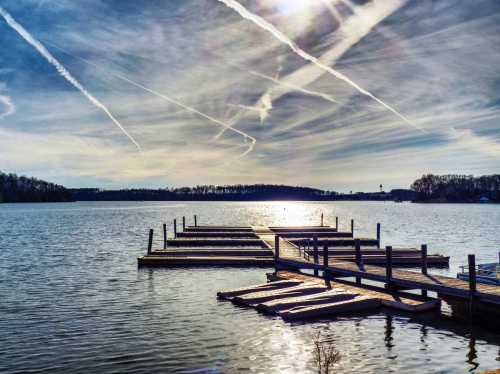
{"points": [[73, 300]]}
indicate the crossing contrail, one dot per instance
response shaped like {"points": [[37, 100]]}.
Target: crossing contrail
{"points": [[62, 70], [262, 23], [9, 106], [246, 137]]}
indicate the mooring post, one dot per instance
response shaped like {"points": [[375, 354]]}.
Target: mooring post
{"points": [[276, 247], [472, 275], [183, 223], [315, 253], [378, 235], [321, 219], [150, 241], [388, 266], [424, 264], [352, 227], [175, 228], [359, 258], [325, 256], [164, 236], [195, 221]]}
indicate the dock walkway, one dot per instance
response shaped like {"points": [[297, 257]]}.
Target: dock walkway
{"points": [[291, 257]]}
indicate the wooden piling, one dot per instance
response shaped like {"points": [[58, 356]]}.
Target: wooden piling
{"points": [[337, 223], [276, 247], [315, 253], [321, 219], [164, 236], [359, 258], [195, 221], [424, 264], [472, 275], [388, 266], [352, 227], [175, 228], [150, 241], [378, 235], [325, 256], [183, 223]]}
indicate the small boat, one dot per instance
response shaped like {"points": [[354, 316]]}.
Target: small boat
{"points": [[485, 273]]}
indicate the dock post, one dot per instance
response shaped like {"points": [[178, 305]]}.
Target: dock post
{"points": [[175, 228], [472, 274], [164, 236], [359, 258], [276, 247], [183, 223], [472, 282], [195, 221], [388, 266], [378, 235], [337, 223], [321, 219], [150, 241], [315, 253], [352, 227], [424, 264], [325, 256]]}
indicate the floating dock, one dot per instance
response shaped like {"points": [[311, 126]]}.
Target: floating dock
{"points": [[328, 253], [253, 246], [294, 296]]}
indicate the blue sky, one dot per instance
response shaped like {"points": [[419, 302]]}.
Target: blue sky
{"points": [[212, 97]]}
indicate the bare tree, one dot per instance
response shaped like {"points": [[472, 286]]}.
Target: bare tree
{"points": [[325, 354]]}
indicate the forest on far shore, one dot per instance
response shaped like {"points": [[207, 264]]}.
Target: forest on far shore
{"points": [[454, 188], [20, 189], [429, 188]]}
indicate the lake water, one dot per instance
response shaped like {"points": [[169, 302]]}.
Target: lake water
{"points": [[73, 300]]}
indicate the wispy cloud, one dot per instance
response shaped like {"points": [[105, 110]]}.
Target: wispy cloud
{"points": [[309, 127], [62, 70]]}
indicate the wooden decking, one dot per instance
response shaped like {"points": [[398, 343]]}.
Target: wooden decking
{"points": [[290, 257], [295, 296]]}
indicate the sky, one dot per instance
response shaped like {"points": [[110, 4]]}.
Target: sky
{"points": [[336, 94]]}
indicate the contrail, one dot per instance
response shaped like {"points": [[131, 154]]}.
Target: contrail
{"points": [[9, 106], [262, 23], [252, 140], [61, 69]]}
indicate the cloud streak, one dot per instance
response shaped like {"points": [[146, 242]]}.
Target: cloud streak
{"points": [[62, 70], [259, 21], [9, 106]]}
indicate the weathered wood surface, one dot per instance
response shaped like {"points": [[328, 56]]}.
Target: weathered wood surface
{"points": [[219, 228], [319, 234], [200, 242], [227, 295], [395, 300], [216, 234], [218, 252], [335, 242], [356, 304], [255, 298], [176, 261], [274, 306]]}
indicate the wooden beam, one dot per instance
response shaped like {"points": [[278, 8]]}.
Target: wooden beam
{"points": [[164, 236], [150, 241]]}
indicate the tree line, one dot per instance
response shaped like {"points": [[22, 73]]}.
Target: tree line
{"points": [[14, 189], [239, 192], [457, 188]]}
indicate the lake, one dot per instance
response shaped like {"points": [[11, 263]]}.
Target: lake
{"points": [[73, 300]]}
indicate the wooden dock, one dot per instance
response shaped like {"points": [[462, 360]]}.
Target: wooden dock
{"points": [[328, 253], [253, 246], [294, 296]]}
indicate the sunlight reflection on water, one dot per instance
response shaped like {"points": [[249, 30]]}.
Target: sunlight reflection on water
{"points": [[73, 300]]}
